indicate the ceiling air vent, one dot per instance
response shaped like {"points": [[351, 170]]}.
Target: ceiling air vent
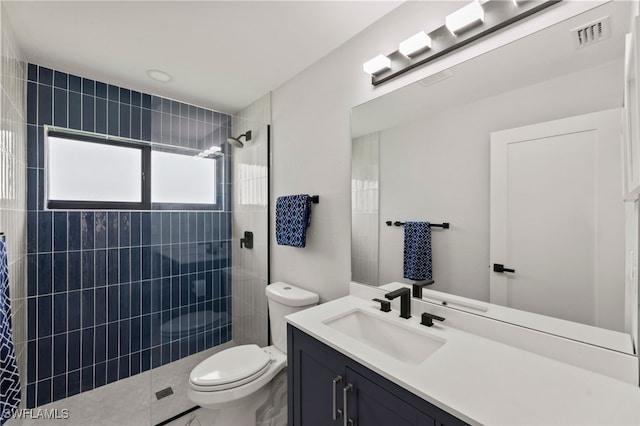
{"points": [[591, 33], [435, 78]]}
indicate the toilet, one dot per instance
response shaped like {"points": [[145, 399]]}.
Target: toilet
{"points": [[246, 385]]}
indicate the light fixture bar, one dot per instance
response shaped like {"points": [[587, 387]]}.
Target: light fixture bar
{"points": [[462, 28], [465, 18], [415, 44], [377, 65]]}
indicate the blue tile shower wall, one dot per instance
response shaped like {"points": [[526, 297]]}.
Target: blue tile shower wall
{"points": [[116, 293]]}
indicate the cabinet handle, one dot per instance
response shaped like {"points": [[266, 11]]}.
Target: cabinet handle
{"points": [[345, 390], [336, 413]]}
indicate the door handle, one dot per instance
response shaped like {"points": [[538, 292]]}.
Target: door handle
{"points": [[345, 391], [336, 413], [499, 267]]}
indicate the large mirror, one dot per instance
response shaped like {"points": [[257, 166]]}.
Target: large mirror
{"points": [[519, 150]]}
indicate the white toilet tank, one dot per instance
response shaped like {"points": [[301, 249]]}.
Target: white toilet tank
{"points": [[285, 299]]}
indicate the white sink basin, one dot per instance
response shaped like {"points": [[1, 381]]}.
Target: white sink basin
{"points": [[388, 336]]}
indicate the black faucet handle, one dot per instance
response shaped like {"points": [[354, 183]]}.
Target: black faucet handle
{"points": [[417, 288], [385, 305], [402, 291], [405, 300], [427, 319]]}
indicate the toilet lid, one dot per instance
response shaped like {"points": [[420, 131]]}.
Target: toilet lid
{"points": [[230, 365]]}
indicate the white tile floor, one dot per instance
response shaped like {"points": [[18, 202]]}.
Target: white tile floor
{"points": [[191, 419], [131, 401], [125, 402]]}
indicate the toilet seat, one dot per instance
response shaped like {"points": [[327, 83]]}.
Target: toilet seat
{"points": [[230, 368], [212, 397]]}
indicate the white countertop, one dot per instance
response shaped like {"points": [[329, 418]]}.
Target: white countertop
{"points": [[482, 381], [602, 337]]}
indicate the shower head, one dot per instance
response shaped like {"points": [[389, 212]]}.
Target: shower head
{"points": [[237, 142]]}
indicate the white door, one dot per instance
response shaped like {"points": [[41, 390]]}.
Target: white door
{"points": [[557, 219]]}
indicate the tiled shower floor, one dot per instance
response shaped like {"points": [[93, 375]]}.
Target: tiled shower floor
{"points": [[131, 401], [125, 402]]}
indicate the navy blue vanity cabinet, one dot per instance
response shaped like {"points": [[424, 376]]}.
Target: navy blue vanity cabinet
{"points": [[311, 381], [370, 404], [322, 380]]}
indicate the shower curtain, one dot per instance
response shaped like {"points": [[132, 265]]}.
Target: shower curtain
{"points": [[9, 377]]}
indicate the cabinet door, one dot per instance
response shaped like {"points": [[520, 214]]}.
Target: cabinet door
{"points": [[371, 405], [371, 399], [313, 369]]}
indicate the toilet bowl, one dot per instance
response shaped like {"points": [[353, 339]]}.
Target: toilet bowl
{"points": [[244, 385]]}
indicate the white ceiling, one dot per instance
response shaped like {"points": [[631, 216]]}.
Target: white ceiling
{"points": [[221, 54]]}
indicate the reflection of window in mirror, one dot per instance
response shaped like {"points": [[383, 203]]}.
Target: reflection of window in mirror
{"points": [[365, 216], [632, 137]]}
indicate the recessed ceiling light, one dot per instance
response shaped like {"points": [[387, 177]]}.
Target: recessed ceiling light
{"points": [[159, 75]]}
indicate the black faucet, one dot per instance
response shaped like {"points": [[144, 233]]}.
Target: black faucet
{"points": [[427, 319], [405, 300], [417, 288], [385, 305]]}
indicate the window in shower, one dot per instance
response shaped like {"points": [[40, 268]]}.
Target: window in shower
{"points": [[90, 172], [182, 179], [95, 172]]}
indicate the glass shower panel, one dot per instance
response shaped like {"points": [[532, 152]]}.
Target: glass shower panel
{"points": [[190, 274], [206, 293], [251, 215]]}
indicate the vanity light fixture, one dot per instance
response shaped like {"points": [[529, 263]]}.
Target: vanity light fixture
{"points": [[466, 25], [465, 18], [376, 65], [415, 44]]}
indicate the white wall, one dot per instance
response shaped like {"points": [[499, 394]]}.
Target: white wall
{"points": [[311, 132]]}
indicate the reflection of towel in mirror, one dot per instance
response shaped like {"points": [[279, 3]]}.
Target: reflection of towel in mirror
{"points": [[293, 217], [9, 377], [417, 251]]}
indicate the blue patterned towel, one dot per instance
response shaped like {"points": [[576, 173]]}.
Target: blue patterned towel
{"points": [[417, 251], [293, 217], [9, 377]]}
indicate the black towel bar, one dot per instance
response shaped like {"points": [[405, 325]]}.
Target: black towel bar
{"points": [[444, 225], [315, 199]]}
